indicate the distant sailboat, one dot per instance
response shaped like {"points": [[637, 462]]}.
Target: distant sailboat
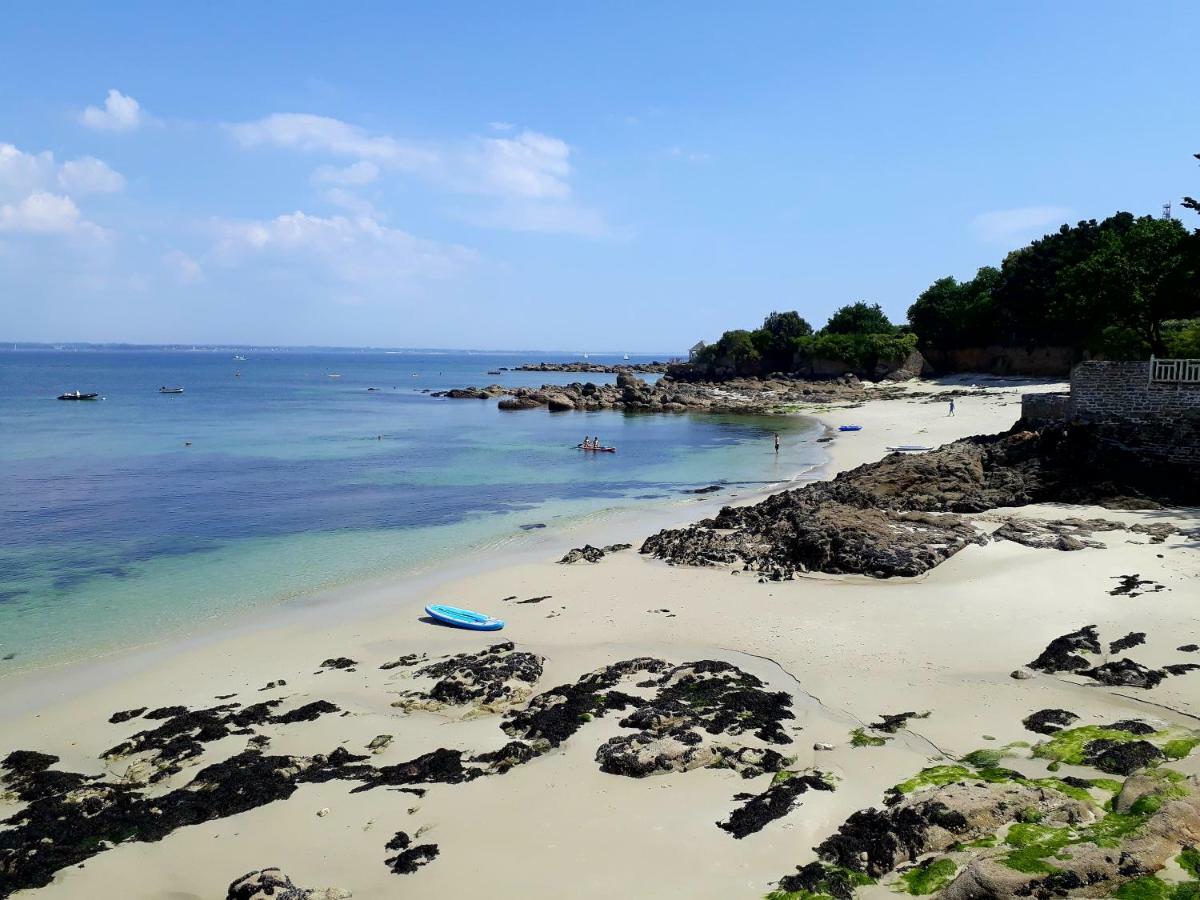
{"points": [[240, 358], [626, 357]]}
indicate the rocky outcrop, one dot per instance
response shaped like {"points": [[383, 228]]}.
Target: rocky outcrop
{"points": [[273, 884], [890, 517], [488, 681], [591, 554], [741, 395], [592, 368]]}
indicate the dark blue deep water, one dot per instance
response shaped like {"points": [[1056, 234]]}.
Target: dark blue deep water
{"points": [[113, 529]]}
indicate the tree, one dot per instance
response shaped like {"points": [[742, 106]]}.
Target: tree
{"points": [[1190, 203], [859, 318], [950, 314], [778, 339], [1135, 280]]}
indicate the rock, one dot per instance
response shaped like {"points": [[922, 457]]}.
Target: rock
{"points": [[1048, 721], [266, 884], [822, 746], [1125, 673], [517, 403], [323, 812], [591, 554], [1188, 648], [489, 680], [379, 743], [341, 662], [559, 403], [1020, 674]]}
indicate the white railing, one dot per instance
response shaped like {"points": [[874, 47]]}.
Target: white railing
{"points": [[1174, 371]]}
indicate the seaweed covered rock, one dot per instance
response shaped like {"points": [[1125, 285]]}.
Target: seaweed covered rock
{"points": [[486, 681], [1063, 653], [273, 884], [1125, 673], [878, 841]]}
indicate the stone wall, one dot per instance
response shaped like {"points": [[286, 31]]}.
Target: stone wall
{"points": [[1153, 421], [999, 360], [1045, 409]]}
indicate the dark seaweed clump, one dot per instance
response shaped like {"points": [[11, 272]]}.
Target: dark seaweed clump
{"points": [[1125, 672], [1121, 757], [890, 723], [1048, 721], [1062, 654], [183, 732], [773, 803], [125, 715], [1133, 639], [410, 858], [819, 879]]}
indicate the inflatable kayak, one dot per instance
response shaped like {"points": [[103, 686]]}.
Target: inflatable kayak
{"points": [[849, 428], [596, 449], [908, 448], [464, 618]]}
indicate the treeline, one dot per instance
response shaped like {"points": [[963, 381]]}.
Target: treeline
{"points": [[1123, 288], [857, 338]]}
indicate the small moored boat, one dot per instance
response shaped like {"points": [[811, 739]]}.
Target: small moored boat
{"points": [[170, 390], [463, 618], [908, 448], [76, 395]]}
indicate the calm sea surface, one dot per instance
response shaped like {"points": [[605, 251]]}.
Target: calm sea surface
{"points": [[114, 531]]}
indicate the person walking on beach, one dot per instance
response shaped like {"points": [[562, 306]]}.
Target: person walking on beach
{"points": [[951, 407], [777, 442]]}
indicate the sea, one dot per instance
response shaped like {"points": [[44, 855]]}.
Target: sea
{"points": [[142, 515]]}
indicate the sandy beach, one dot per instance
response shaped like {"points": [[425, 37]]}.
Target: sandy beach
{"points": [[844, 649]]}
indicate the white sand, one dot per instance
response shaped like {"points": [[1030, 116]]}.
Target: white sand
{"points": [[944, 642]]}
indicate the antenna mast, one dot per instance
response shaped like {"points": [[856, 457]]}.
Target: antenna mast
{"points": [[1166, 208]]}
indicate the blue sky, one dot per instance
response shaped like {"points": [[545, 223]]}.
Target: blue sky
{"points": [[620, 176]]}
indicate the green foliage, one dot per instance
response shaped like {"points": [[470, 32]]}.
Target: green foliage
{"points": [[786, 343], [1189, 861], [1182, 337], [860, 738], [929, 877], [1106, 287], [859, 318]]}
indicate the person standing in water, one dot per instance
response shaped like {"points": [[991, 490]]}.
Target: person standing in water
{"points": [[951, 407], [777, 442]]}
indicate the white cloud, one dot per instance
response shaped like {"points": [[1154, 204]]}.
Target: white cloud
{"points": [[22, 173], [120, 113], [501, 126], [42, 213], [527, 174], [183, 268], [362, 172], [1008, 226], [302, 131], [89, 175], [357, 252], [529, 165]]}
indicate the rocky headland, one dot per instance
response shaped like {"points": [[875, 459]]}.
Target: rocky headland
{"points": [[907, 513], [592, 368], [630, 393]]}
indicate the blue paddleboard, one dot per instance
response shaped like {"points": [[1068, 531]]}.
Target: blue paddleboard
{"points": [[849, 428], [464, 618]]}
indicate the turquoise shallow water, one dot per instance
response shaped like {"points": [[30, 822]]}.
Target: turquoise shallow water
{"points": [[116, 532]]}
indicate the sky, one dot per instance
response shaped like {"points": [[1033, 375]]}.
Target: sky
{"points": [[621, 176]]}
